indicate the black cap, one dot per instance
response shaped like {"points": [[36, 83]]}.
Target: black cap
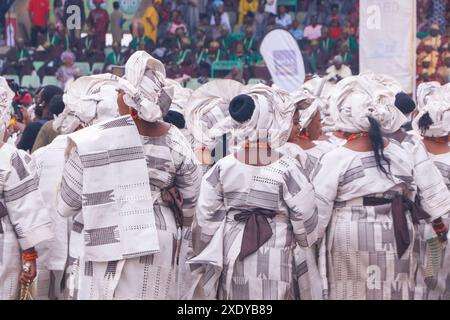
{"points": [[175, 118], [241, 108], [404, 103]]}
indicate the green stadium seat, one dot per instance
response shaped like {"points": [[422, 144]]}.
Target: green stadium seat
{"points": [[97, 65], [192, 84], [225, 65], [85, 68], [32, 81], [288, 3], [37, 65], [49, 80], [255, 81]]}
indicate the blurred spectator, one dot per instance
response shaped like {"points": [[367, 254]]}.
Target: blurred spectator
{"points": [[435, 38], [246, 6], [51, 64], [42, 116], [140, 37], [224, 19], [338, 71], [309, 59], [249, 40], [226, 39], [98, 20], [192, 15], [236, 75], [429, 55], [53, 38], [150, 20], [318, 9], [443, 72], [184, 59], [115, 57], [47, 134], [335, 31], [216, 28], [199, 37], [335, 15], [283, 19], [215, 53], [117, 21], [296, 31], [249, 22], [345, 54], [68, 70], [58, 13], [313, 31], [39, 12], [270, 6], [18, 60], [74, 33], [260, 22], [177, 22], [271, 23]]}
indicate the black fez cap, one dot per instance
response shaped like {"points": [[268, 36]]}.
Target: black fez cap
{"points": [[241, 108], [404, 103], [175, 118]]}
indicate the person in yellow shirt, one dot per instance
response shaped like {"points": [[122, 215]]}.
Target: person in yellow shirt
{"points": [[150, 20], [246, 6]]}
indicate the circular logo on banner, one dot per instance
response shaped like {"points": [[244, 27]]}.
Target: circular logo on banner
{"points": [[129, 6]]}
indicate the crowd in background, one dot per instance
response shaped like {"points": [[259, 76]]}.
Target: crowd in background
{"points": [[188, 36]]}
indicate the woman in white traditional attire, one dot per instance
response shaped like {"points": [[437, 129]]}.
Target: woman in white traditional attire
{"points": [[365, 190], [146, 240], [303, 143], [207, 118], [88, 100], [23, 221], [176, 113], [254, 206], [433, 123]]}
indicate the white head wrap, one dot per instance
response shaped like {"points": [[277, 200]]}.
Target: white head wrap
{"points": [[424, 91], [206, 113], [6, 96], [180, 97], [322, 89], [437, 105], [88, 100], [145, 87], [272, 117], [358, 97], [308, 113]]}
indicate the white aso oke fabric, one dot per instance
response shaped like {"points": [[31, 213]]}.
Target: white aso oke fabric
{"points": [[6, 96], [356, 98], [118, 215], [145, 87], [88, 100]]}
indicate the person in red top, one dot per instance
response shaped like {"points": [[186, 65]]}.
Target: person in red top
{"points": [[335, 31], [38, 11], [98, 20]]}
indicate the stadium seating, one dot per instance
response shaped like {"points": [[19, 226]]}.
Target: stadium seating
{"points": [[13, 77], [31, 81], [49, 80], [226, 65], [97, 65], [84, 67]]}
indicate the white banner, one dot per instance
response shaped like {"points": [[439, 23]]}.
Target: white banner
{"points": [[387, 39], [283, 59]]}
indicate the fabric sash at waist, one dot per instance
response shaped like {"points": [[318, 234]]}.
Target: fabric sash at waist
{"points": [[257, 230], [399, 205]]}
